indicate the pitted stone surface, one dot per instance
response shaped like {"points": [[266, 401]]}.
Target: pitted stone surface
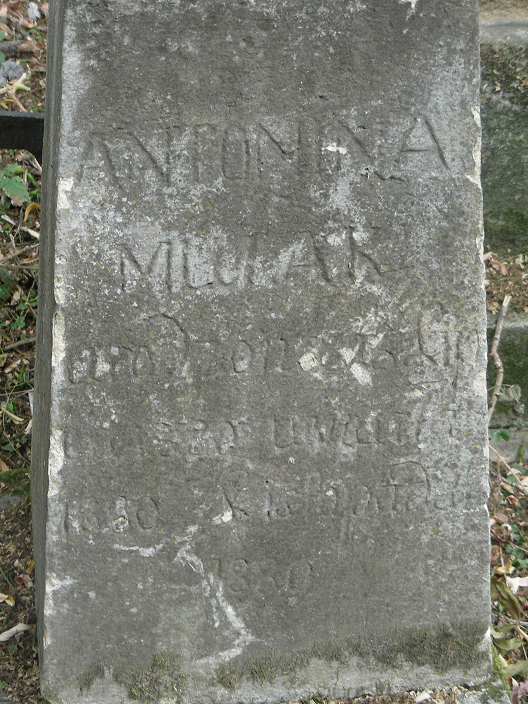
{"points": [[260, 429]]}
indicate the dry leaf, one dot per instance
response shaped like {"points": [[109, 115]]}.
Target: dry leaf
{"points": [[8, 599], [24, 579], [517, 690], [31, 232], [3, 466], [31, 206], [515, 583], [499, 266], [14, 418], [505, 569], [6, 635], [500, 517]]}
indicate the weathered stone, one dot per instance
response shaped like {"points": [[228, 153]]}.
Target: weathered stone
{"points": [[260, 466]]}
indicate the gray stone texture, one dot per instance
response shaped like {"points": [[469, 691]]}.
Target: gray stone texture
{"points": [[260, 444]]}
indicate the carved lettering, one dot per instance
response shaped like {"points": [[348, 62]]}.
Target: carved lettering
{"points": [[123, 514], [172, 440], [272, 151], [402, 486], [216, 259], [245, 577], [156, 272], [422, 144], [318, 432]]}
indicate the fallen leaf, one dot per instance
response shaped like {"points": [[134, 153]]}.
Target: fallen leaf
{"points": [[500, 517], [499, 266], [517, 690], [504, 569], [24, 579], [501, 631], [3, 466], [30, 566], [505, 644], [31, 232], [523, 481], [515, 583], [509, 488], [19, 628], [517, 668], [31, 206], [14, 418], [507, 598], [8, 599]]}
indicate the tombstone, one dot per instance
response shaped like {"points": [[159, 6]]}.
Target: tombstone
{"points": [[260, 437]]}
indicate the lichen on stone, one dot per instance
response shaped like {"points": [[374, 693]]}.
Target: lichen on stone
{"points": [[442, 647], [86, 679], [162, 679]]}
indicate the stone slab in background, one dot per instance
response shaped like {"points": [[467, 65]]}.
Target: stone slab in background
{"points": [[504, 31], [260, 431], [504, 100], [513, 350], [504, 38], [497, 10]]}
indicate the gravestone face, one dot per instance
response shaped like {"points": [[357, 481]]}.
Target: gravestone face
{"points": [[260, 438]]}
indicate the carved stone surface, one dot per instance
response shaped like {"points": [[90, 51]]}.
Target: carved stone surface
{"points": [[259, 455]]}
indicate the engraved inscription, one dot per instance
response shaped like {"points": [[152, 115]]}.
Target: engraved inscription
{"points": [[245, 577], [317, 432], [271, 153], [401, 486], [227, 263], [175, 439], [124, 514]]}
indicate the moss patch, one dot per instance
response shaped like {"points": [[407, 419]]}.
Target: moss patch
{"points": [[441, 647], [268, 667], [163, 678], [86, 679], [499, 675]]}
